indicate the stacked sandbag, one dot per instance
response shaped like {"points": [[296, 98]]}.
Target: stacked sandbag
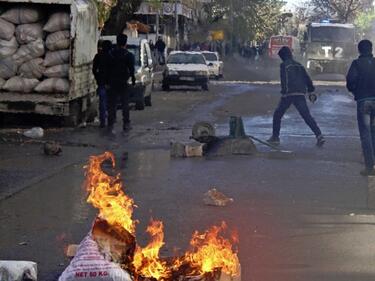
{"points": [[34, 50], [19, 84]]}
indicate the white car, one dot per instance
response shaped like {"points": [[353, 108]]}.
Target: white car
{"points": [[187, 69], [215, 66]]}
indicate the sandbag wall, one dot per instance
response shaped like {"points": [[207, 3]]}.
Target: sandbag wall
{"points": [[34, 50]]}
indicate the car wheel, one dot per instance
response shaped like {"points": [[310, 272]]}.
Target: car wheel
{"points": [[148, 101], [140, 105], [165, 87], [205, 87]]}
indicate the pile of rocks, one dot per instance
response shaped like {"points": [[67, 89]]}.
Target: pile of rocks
{"points": [[34, 50]]}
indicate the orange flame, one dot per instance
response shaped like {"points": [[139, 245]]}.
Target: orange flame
{"points": [[146, 260], [211, 251], [106, 194]]}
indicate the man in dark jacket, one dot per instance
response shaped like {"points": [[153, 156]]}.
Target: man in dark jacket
{"points": [[160, 49], [121, 69], [100, 70], [361, 82], [295, 83]]}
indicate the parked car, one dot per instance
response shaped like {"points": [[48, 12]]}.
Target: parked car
{"points": [[187, 69], [215, 66], [140, 94]]}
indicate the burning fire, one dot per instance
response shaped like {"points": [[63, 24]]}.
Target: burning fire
{"points": [[146, 260], [106, 194], [210, 251]]}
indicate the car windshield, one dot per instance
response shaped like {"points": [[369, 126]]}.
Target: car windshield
{"points": [[210, 56], [134, 49], [185, 58], [332, 34]]}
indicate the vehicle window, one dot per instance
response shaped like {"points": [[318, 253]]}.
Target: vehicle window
{"points": [[332, 34], [185, 58], [210, 56], [135, 51]]}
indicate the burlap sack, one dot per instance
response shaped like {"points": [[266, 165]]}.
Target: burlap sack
{"points": [[2, 82], [8, 47], [28, 52], [27, 33], [32, 69], [8, 68], [52, 85], [22, 14], [6, 29], [56, 57], [57, 22], [59, 40], [19, 84], [61, 70]]}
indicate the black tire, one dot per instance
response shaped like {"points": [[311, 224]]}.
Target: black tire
{"points": [[165, 87], [140, 105], [205, 87], [148, 101]]}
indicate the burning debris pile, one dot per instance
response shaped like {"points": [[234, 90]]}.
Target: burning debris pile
{"points": [[110, 251]]}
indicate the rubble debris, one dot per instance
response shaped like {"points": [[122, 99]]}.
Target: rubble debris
{"points": [[71, 250], [213, 197], [34, 133], [230, 146], [204, 132], [236, 127], [52, 148], [18, 271], [181, 150]]}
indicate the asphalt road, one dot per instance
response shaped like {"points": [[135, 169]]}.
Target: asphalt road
{"points": [[304, 217]]}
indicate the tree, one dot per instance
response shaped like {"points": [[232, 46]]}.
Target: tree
{"points": [[365, 22], [248, 19], [119, 15], [343, 10], [104, 8]]}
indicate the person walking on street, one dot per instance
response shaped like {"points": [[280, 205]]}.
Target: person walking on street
{"points": [[100, 70], [121, 69], [295, 83], [160, 48], [360, 80]]}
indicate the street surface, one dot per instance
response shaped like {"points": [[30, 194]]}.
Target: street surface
{"points": [[304, 217]]}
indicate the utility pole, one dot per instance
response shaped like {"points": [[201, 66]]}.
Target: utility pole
{"points": [[176, 25]]}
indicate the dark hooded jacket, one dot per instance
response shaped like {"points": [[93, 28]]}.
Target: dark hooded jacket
{"points": [[122, 67], [361, 77], [101, 65], [294, 78]]}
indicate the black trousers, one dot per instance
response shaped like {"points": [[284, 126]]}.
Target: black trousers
{"points": [[300, 103], [115, 96]]}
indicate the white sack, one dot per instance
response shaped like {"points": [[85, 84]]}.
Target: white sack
{"points": [[57, 22], [32, 69], [90, 265], [21, 85], [27, 33], [8, 68], [61, 70], [28, 52], [34, 133], [52, 85], [18, 270], [6, 29], [22, 14], [8, 47], [56, 57], [59, 40]]}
